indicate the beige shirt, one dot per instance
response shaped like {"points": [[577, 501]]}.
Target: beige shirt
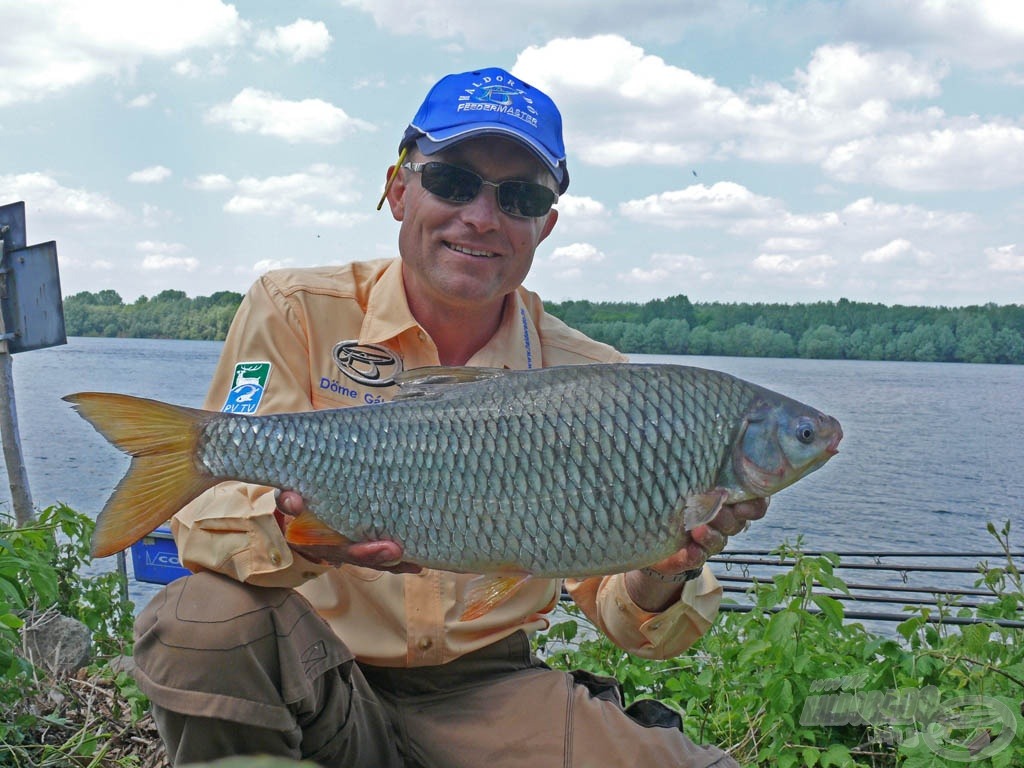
{"points": [[293, 320]]}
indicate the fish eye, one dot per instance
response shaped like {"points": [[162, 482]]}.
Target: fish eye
{"points": [[805, 432]]}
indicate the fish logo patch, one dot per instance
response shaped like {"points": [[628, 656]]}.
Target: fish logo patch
{"points": [[247, 386]]}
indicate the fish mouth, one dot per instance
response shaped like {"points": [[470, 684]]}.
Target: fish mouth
{"points": [[833, 445], [467, 251]]}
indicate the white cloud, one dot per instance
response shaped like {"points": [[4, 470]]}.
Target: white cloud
{"points": [[154, 246], [45, 194], [899, 249], [1005, 258], [847, 76], [863, 115], [977, 33], [303, 39], [265, 265], [312, 120], [699, 204], [978, 156], [152, 175], [307, 197], [577, 206], [791, 244], [160, 256], [571, 262], [61, 44], [666, 268], [473, 22], [142, 100], [212, 182], [576, 254], [163, 261]]}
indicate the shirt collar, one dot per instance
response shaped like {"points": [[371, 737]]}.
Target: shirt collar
{"points": [[516, 344], [387, 309]]}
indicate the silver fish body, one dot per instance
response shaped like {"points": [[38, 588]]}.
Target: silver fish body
{"points": [[563, 471]]}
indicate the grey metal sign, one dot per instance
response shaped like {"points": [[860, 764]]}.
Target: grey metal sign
{"points": [[30, 298]]}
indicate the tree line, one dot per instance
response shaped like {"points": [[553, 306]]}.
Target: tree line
{"points": [[841, 329]]}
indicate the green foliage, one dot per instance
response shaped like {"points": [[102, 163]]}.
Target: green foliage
{"points": [[168, 315], [824, 330], [42, 566], [791, 683], [673, 326]]}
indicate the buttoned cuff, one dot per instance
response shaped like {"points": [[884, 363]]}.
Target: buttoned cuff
{"points": [[664, 634]]}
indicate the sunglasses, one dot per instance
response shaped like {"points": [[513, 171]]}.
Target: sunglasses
{"points": [[524, 199]]}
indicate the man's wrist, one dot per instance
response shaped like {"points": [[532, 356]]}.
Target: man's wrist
{"points": [[673, 578]]}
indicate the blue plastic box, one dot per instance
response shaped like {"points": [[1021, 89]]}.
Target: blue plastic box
{"points": [[155, 558]]}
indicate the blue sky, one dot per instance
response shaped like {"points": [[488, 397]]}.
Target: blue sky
{"points": [[730, 151]]}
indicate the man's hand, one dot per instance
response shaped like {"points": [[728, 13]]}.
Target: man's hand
{"points": [[384, 555], [706, 540]]}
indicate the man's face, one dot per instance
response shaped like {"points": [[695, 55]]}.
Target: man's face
{"points": [[468, 255]]}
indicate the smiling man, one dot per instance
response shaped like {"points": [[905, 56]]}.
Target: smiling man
{"points": [[365, 660]]}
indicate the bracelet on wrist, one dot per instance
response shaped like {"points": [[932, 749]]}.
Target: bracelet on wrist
{"points": [[673, 578]]}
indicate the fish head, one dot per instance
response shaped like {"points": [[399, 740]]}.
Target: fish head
{"points": [[780, 442]]}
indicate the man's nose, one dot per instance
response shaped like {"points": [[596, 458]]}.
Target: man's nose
{"points": [[483, 211]]}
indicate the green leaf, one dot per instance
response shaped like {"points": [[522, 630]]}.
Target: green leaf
{"points": [[838, 755], [831, 608], [810, 755]]}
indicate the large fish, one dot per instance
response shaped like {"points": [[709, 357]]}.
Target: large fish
{"points": [[566, 471]]}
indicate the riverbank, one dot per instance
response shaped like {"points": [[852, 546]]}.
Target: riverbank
{"points": [[790, 682]]}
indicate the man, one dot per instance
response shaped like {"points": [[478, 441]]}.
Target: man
{"points": [[363, 661]]}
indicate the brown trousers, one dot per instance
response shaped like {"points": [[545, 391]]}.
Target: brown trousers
{"points": [[233, 669]]}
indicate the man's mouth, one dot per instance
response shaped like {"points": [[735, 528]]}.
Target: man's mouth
{"points": [[470, 251]]}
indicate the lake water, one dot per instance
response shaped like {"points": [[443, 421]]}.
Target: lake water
{"points": [[931, 451]]}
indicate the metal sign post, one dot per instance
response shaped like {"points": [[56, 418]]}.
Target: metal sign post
{"points": [[31, 317]]}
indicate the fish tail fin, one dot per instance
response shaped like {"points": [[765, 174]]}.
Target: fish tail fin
{"points": [[164, 476]]}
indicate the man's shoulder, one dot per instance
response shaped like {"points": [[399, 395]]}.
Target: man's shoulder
{"points": [[350, 280]]}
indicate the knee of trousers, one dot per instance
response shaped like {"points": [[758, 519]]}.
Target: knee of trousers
{"points": [[207, 644]]}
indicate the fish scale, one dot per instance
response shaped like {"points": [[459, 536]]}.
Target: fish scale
{"points": [[568, 471]]}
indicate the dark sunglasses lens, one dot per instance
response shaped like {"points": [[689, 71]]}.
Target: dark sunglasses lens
{"points": [[524, 198], [450, 182]]}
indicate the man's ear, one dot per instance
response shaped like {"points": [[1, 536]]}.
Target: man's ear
{"points": [[396, 193], [549, 225]]}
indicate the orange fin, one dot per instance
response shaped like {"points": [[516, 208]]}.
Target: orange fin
{"points": [[308, 530], [163, 476], [486, 593], [312, 538], [701, 508]]}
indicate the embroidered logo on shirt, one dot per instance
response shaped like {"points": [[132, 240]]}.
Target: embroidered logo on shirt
{"points": [[369, 364], [247, 387]]}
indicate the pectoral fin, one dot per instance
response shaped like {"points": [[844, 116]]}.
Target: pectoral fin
{"points": [[701, 508], [486, 593]]}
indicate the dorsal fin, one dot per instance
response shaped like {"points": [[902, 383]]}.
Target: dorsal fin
{"points": [[435, 380]]}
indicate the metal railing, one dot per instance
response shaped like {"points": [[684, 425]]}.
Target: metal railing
{"points": [[882, 585]]}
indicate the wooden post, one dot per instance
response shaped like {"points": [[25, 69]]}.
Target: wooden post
{"points": [[21, 497]]}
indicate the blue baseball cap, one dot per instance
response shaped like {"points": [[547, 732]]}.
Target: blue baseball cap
{"points": [[490, 102]]}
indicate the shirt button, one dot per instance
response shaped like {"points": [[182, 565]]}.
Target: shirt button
{"points": [[275, 557], [619, 604], [425, 643]]}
